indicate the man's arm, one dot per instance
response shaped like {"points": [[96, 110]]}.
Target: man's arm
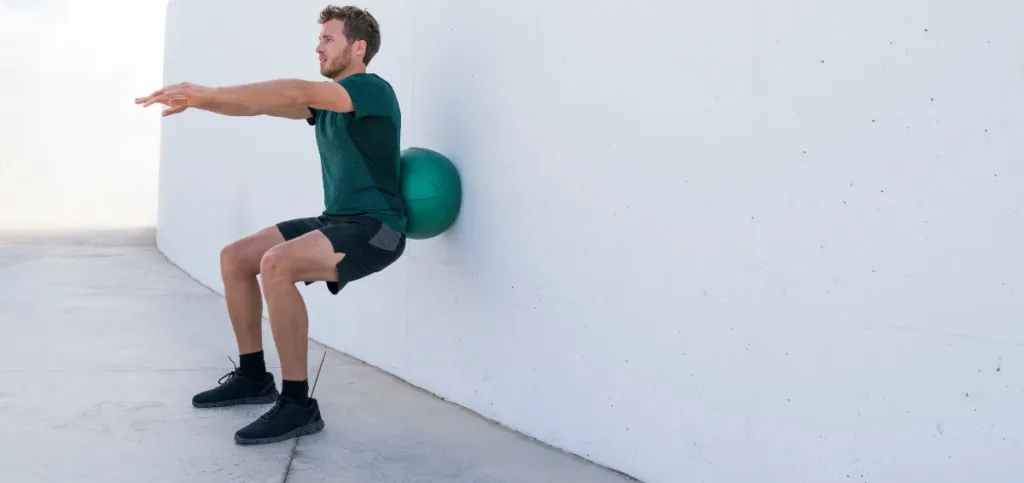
{"points": [[243, 110], [286, 96], [283, 98], [288, 112], [226, 109]]}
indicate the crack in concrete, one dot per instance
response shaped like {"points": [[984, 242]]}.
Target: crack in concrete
{"points": [[295, 444]]}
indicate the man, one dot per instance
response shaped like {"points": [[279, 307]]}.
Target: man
{"points": [[361, 230]]}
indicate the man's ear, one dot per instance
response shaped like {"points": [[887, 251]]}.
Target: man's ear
{"points": [[361, 49]]}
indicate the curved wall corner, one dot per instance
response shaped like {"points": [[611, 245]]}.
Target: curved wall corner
{"points": [[718, 241]]}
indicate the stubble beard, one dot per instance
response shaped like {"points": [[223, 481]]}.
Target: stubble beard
{"points": [[335, 68]]}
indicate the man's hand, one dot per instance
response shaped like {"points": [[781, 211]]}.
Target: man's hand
{"points": [[179, 97]]}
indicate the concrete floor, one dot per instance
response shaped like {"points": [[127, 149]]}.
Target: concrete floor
{"points": [[105, 342]]}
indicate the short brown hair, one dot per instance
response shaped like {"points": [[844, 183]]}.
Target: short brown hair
{"points": [[359, 25]]}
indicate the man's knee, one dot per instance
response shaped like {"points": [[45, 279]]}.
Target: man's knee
{"points": [[236, 260], [276, 267], [242, 257]]}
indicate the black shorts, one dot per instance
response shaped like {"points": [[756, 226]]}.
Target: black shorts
{"points": [[368, 244]]}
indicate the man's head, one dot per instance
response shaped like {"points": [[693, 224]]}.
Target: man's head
{"points": [[349, 38]]}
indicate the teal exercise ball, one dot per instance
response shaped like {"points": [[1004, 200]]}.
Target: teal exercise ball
{"points": [[431, 191]]}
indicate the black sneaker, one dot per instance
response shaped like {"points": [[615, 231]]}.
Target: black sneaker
{"points": [[237, 388], [286, 420]]}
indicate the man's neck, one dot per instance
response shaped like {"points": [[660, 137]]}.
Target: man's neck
{"points": [[356, 69]]}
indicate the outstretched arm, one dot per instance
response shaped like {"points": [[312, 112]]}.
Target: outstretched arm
{"points": [[289, 98], [287, 94], [243, 110]]}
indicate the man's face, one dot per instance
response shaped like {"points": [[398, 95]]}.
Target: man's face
{"points": [[335, 51]]}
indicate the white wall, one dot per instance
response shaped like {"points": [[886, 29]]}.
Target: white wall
{"points": [[74, 150], [701, 241]]}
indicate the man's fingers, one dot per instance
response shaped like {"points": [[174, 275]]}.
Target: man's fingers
{"points": [[159, 92], [172, 87], [151, 100], [165, 99], [155, 93], [174, 110]]}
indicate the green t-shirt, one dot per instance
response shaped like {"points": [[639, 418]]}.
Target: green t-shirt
{"points": [[359, 152]]}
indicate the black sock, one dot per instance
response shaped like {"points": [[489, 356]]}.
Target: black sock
{"points": [[297, 391], [252, 365]]}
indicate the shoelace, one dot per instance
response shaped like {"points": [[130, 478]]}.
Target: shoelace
{"points": [[267, 416], [234, 372]]}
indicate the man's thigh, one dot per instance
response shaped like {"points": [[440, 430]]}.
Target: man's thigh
{"points": [[310, 257], [342, 250]]}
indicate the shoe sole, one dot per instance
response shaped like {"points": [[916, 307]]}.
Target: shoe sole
{"points": [[303, 431], [269, 398]]}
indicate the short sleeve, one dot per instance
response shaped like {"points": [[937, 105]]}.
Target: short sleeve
{"points": [[312, 120], [371, 96]]}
